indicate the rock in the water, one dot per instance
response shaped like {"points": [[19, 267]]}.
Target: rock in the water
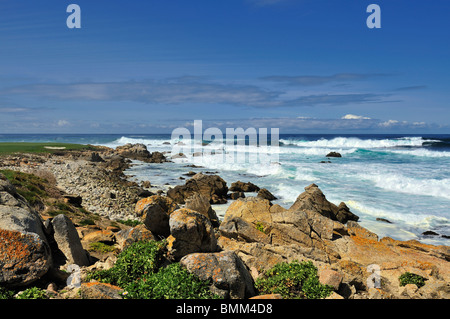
{"points": [[154, 212], [243, 187], [265, 194], [66, 237], [213, 187], [134, 151], [190, 232], [229, 276], [334, 154]]}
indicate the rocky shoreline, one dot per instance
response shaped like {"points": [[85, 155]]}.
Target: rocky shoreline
{"points": [[91, 212]]}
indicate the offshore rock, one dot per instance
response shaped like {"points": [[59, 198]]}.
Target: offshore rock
{"points": [[213, 187]]}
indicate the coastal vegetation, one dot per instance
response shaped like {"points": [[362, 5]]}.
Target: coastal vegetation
{"points": [[50, 147], [77, 208]]}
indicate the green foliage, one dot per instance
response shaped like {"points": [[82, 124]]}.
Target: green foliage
{"points": [[293, 280], [138, 270], [32, 293], [86, 221], [101, 247], [30, 186], [16, 147], [130, 222], [171, 282], [140, 259], [5, 293], [410, 278], [260, 226]]}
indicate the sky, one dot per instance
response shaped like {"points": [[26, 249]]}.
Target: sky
{"points": [[303, 66]]}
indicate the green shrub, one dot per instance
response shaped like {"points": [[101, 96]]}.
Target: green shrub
{"points": [[138, 270], [410, 278], [139, 260], [171, 282], [32, 293], [6, 294], [293, 280]]}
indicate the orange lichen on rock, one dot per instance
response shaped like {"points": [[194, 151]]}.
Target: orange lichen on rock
{"points": [[12, 245]]}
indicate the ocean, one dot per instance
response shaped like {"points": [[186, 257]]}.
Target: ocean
{"points": [[404, 179]]}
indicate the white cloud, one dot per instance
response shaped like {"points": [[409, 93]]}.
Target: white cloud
{"points": [[62, 123], [354, 117], [389, 123]]}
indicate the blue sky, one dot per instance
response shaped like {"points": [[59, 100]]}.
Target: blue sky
{"points": [[304, 66]]}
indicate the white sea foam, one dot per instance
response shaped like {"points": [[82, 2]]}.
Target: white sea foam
{"points": [[403, 184], [422, 152], [354, 142]]}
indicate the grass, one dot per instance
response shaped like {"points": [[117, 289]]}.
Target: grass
{"points": [[43, 195], [21, 147]]}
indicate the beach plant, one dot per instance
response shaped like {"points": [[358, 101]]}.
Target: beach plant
{"points": [[411, 278], [140, 259], [139, 271], [293, 280], [6, 293], [32, 293], [171, 282]]}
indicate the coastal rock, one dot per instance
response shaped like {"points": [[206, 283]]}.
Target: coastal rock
{"points": [[134, 151], [66, 237], [265, 194], [229, 276], [330, 277], [157, 157], [255, 220], [190, 232], [333, 154], [154, 212], [236, 195], [102, 236], [314, 200], [24, 258], [25, 254], [243, 187], [200, 204], [129, 236], [213, 187], [98, 290]]}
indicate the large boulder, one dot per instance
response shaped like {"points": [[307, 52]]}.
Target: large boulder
{"points": [[25, 254], [213, 187], [200, 204], [256, 221], [68, 242], [140, 152], [154, 212], [228, 274], [134, 151], [190, 232], [314, 200], [243, 187]]}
